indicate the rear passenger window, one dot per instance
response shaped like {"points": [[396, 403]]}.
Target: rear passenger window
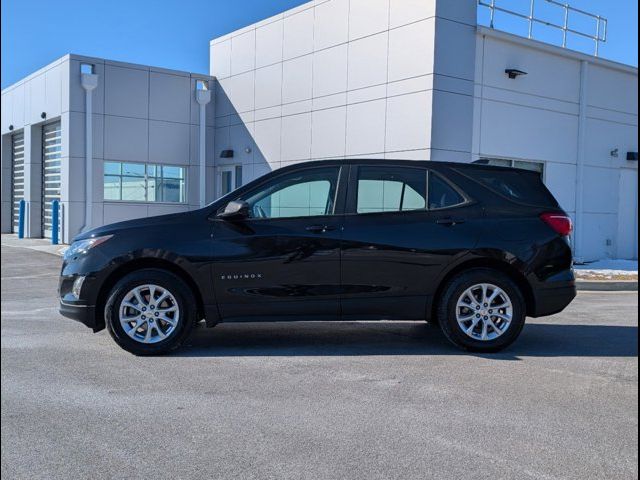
{"points": [[519, 185], [385, 189], [441, 194]]}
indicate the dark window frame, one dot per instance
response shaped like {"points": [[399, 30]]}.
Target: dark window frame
{"points": [[338, 199], [351, 207]]}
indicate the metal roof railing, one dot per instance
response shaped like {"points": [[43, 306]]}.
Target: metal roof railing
{"points": [[600, 27]]}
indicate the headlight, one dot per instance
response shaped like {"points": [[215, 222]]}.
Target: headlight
{"points": [[83, 246]]}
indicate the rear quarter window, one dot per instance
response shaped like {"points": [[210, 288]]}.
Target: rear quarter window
{"points": [[520, 186]]}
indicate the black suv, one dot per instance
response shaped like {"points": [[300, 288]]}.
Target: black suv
{"points": [[474, 248]]}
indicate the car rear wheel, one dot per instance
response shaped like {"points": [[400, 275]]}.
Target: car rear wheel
{"points": [[150, 312], [482, 310]]}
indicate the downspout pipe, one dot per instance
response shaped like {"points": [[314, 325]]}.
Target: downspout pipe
{"points": [[89, 82], [203, 97], [581, 152]]}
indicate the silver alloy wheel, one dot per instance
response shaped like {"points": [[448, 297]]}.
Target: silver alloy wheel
{"points": [[484, 312], [149, 313]]}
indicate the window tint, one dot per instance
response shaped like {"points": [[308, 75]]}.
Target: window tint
{"points": [[301, 194], [522, 186], [441, 194], [385, 189]]}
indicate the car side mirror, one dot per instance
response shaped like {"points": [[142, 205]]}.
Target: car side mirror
{"points": [[235, 210]]}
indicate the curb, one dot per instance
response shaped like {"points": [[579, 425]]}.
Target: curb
{"points": [[607, 286]]}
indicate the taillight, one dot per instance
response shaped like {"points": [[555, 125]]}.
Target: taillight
{"points": [[561, 223]]}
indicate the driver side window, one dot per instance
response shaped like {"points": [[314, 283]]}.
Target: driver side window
{"points": [[308, 193]]}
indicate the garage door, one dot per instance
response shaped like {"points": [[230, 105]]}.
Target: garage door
{"points": [[51, 145], [17, 177]]}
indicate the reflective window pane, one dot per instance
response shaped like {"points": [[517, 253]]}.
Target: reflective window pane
{"points": [[388, 189], [301, 194], [112, 168], [111, 187], [133, 189], [441, 194], [133, 169]]}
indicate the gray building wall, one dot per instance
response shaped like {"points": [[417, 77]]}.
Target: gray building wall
{"points": [[418, 79], [347, 78], [141, 114]]}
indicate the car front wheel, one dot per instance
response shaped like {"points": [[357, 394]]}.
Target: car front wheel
{"points": [[150, 312], [482, 310]]}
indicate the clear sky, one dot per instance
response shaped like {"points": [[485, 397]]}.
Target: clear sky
{"points": [[176, 33]]}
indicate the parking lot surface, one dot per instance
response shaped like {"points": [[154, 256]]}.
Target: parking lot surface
{"points": [[332, 400]]}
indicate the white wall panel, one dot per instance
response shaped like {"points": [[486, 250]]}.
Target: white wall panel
{"points": [[408, 125], [366, 127], [126, 139], [243, 52], [297, 79], [367, 17], [329, 132], [331, 25], [241, 92], [560, 179], [368, 61], [601, 190], [269, 44], [126, 91], [613, 89], [267, 136], [411, 50], [298, 34], [37, 100], [409, 11], [520, 132], [53, 104], [220, 61], [169, 142], [169, 97], [330, 71], [296, 137], [269, 86]]}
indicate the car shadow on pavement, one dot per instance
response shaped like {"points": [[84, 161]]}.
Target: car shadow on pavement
{"points": [[400, 338]]}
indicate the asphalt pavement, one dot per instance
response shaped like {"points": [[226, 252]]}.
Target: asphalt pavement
{"points": [[365, 400]]}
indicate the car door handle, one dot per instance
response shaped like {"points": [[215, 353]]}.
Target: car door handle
{"points": [[450, 221], [320, 228]]}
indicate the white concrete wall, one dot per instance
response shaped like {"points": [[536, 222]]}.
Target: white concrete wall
{"points": [[346, 78], [537, 118], [22, 106], [140, 114]]}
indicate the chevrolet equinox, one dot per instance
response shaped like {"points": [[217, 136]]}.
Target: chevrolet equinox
{"points": [[472, 248]]}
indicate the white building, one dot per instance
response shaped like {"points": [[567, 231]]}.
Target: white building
{"points": [[406, 79], [145, 129]]}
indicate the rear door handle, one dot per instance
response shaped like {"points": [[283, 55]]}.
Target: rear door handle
{"points": [[320, 228], [450, 221]]}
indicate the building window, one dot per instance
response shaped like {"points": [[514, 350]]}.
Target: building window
{"points": [[504, 162], [139, 182]]}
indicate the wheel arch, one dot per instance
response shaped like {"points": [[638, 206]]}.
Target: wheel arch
{"points": [[492, 263], [141, 264]]}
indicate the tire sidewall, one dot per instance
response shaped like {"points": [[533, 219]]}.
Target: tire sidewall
{"points": [[166, 280], [447, 310]]}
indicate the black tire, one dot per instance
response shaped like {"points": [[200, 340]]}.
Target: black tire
{"points": [[167, 280], [446, 312]]}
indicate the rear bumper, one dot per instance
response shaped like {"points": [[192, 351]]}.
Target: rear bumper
{"points": [[85, 314], [552, 300]]}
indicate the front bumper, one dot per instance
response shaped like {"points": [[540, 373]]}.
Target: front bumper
{"points": [[85, 314]]}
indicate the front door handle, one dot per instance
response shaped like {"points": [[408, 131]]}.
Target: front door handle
{"points": [[450, 221], [320, 228]]}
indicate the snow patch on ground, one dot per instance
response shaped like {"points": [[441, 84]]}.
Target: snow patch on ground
{"points": [[608, 269]]}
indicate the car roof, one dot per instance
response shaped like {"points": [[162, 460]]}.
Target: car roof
{"points": [[410, 163]]}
